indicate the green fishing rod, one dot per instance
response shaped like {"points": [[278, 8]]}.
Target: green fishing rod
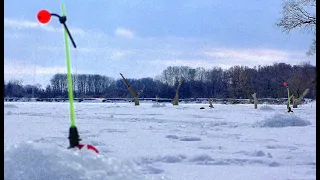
{"points": [[288, 103], [73, 132], [44, 17], [288, 97]]}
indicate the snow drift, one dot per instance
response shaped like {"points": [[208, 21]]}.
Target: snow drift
{"points": [[282, 120], [158, 105], [39, 161], [266, 108]]}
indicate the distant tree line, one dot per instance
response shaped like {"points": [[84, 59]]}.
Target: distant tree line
{"points": [[235, 82]]}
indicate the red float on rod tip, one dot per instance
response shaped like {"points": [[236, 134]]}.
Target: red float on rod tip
{"points": [[284, 83], [44, 16]]}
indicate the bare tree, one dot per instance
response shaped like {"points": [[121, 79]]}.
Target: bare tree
{"points": [[15, 88], [301, 81], [299, 14]]}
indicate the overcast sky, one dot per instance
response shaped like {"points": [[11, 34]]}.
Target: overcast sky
{"points": [[141, 38]]}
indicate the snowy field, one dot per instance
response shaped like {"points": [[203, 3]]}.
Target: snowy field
{"points": [[227, 142]]}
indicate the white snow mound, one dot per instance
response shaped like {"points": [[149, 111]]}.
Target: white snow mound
{"points": [[158, 105], [38, 161], [265, 107], [282, 120], [10, 106]]}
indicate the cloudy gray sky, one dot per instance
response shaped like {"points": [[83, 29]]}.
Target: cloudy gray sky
{"points": [[141, 38]]}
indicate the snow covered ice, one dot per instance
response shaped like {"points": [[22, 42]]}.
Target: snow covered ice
{"points": [[163, 142]]}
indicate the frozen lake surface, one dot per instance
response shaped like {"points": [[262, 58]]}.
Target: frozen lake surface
{"points": [[167, 142]]}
